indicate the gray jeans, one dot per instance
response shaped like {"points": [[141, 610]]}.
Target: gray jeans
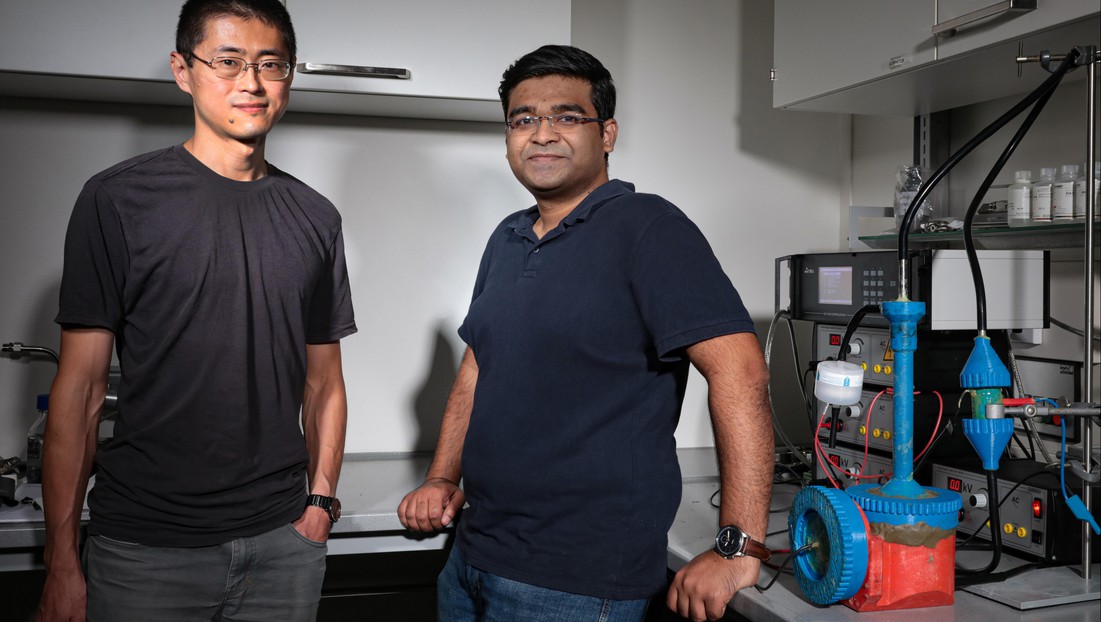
{"points": [[273, 576]]}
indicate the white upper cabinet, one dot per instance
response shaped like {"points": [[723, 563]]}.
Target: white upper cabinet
{"points": [[822, 46], [114, 39], [989, 22], [881, 57], [454, 52], [450, 50]]}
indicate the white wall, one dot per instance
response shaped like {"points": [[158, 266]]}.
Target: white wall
{"points": [[419, 199]]}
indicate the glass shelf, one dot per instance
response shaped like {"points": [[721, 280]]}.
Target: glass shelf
{"points": [[1071, 235]]}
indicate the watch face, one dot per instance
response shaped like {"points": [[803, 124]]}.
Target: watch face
{"points": [[729, 541], [334, 510]]}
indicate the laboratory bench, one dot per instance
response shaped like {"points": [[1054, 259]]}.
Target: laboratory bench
{"points": [[376, 566]]}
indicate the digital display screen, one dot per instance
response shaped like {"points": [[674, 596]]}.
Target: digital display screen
{"points": [[835, 285], [954, 484]]}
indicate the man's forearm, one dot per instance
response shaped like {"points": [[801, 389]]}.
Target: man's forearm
{"points": [[324, 417], [447, 461]]}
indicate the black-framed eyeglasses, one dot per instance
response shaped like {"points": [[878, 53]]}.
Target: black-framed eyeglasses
{"points": [[232, 68], [558, 122]]}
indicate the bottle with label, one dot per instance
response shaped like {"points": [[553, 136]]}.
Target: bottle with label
{"points": [[1062, 194], [1019, 205], [1041, 197], [34, 442], [1080, 186]]}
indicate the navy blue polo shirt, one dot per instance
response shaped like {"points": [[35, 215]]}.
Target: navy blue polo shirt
{"points": [[569, 463]]}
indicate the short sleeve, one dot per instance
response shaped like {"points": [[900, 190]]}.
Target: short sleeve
{"points": [[332, 316], [94, 274], [680, 287]]}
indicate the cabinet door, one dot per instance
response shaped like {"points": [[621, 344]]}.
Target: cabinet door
{"points": [[453, 50], [1004, 27], [116, 39], [822, 46]]}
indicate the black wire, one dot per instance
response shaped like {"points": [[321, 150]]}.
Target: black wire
{"points": [[995, 577], [1023, 448], [1012, 490], [854, 322], [987, 132], [780, 570], [995, 530], [969, 218]]}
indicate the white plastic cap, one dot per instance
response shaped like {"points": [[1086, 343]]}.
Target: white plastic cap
{"points": [[838, 383], [1023, 175]]}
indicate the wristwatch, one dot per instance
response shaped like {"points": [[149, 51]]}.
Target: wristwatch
{"points": [[733, 542], [329, 504]]}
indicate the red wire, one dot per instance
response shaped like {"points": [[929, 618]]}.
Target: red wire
{"points": [[940, 413], [820, 452]]}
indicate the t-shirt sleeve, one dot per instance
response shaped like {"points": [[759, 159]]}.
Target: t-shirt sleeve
{"points": [[331, 314], [94, 273], [479, 285], [682, 292]]}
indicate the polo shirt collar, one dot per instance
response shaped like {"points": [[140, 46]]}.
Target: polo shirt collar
{"points": [[608, 190]]}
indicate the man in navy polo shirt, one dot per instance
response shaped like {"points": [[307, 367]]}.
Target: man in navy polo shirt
{"points": [[587, 311]]}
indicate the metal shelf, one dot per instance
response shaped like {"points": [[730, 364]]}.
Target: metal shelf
{"points": [[1071, 235]]}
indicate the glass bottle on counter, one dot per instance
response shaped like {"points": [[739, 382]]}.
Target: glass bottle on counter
{"points": [[1080, 186], [1062, 194], [1041, 197], [1019, 205], [34, 442]]}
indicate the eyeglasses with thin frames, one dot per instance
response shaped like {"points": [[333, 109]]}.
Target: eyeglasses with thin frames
{"points": [[232, 68], [558, 122]]}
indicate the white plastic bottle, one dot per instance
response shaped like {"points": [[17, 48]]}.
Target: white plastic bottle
{"points": [[1062, 194], [1080, 195], [1019, 205], [1041, 197], [34, 442]]}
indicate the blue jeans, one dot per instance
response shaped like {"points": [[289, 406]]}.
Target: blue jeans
{"points": [[273, 576], [467, 594]]}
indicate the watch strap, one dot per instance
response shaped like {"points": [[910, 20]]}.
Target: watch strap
{"points": [[325, 503], [756, 549]]}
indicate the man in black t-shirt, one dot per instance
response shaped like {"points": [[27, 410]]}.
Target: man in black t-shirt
{"points": [[220, 282]]}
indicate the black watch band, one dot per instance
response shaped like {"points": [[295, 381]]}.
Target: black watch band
{"points": [[329, 504]]}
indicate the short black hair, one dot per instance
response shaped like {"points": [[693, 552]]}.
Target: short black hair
{"points": [[196, 13], [562, 60]]}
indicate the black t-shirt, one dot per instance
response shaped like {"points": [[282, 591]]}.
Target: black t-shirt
{"points": [[569, 462], [212, 288]]}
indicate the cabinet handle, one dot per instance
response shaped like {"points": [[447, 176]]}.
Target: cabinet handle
{"points": [[948, 28], [358, 71]]}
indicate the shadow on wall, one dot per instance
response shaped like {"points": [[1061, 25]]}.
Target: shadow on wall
{"points": [[431, 397], [763, 130]]}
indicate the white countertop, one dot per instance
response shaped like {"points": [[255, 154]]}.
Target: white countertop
{"points": [[372, 485]]}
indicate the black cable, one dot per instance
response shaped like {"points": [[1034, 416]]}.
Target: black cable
{"points": [[969, 217], [995, 530], [1005, 498], [995, 577], [780, 570], [1028, 454], [850, 328], [987, 132]]}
